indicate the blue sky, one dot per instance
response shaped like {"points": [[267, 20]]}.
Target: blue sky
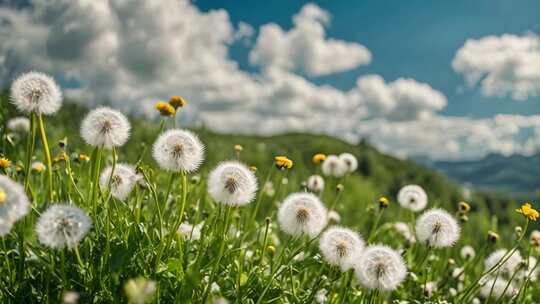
{"points": [[442, 79], [415, 39]]}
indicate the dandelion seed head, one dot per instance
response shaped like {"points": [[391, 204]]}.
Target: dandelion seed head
{"points": [[333, 166], [467, 252], [121, 182], [14, 204], [509, 266], [19, 125], [62, 225], [339, 246], [178, 150], [380, 267], [496, 288], [437, 228], [412, 197], [350, 161], [315, 183], [36, 92], [105, 127], [232, 183], [302, 213], [404, 230], [190, 232]]}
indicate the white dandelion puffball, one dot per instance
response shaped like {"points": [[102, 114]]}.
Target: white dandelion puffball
{"points": [[467, 252], [350, 161], [403, 229], [232, 183], [340, 245], [333, 166], [106, 128], [509, 266], [302, 213], [36, 92], [496, 287], [437, 228], [62, 226], [19, 125], [380, 267], [121, 182], [178, 150], [315, 183], [412, 197], [190, 232], [14, 204]]}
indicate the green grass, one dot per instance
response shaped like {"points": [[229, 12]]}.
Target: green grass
{"points": [[122, 245]]}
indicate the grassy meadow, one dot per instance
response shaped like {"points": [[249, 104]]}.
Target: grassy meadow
{"points": [[169, 241]]}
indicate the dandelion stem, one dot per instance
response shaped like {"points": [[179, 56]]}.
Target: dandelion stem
{"points": [[47, 151], [30, 145]]}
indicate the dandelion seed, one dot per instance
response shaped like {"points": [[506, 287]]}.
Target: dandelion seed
{"points": [[350, 161], [333, 166], [140, 290], [19, 125], [315, 183], [105, 128], [232, 183], [36, 92], [437, 228], [14, 204], [62, 226], [509, 266], [122, 181], [467, 252], [178, 150], [340, 245], [302, 213], [412, 197], [380, 267]]}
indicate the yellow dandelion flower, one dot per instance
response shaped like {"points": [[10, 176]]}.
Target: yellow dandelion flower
{"points": [[83, 157], [319, 158], [3, 196], [253, 169], [271, 250], [177, 102], [383, 202], [528, 211], [165, 109], [464, 207], [283, 162], [238, 148], [62, 156], [4, 163]]}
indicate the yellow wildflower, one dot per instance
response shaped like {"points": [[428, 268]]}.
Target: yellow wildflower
{"points": [[253, 169], [177, 102], [464, 207], [319, 158], [62, 156], [83, 158], [3, 196], [238, 148], [4, 163], [283, 162], [383, 202], [165, 109], [528, 211]]}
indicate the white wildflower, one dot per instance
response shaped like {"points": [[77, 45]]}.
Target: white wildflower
{"points": [[302, 213], [232, 183], [178, 150], [412, 197], [380, 267], [19, 125], [340, 245], [315, 183], [62, 225], [121, 182], [350, 161], [36, 92], [333, 166], [14, 204], [437, 228], [191, 232], [105, 128], [467, 252]]}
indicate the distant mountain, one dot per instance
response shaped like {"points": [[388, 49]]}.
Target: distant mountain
{"points": [[515, 173]]}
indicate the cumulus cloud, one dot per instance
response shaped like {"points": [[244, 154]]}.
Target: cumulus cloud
{"points": [[506, 65], [305, 47], [132, 53]]}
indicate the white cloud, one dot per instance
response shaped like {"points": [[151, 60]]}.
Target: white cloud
{"points": [[132, 53], [305, 48], [503, 65]]}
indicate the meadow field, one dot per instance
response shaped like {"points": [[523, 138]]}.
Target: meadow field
{"points": [[100, 207]]}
